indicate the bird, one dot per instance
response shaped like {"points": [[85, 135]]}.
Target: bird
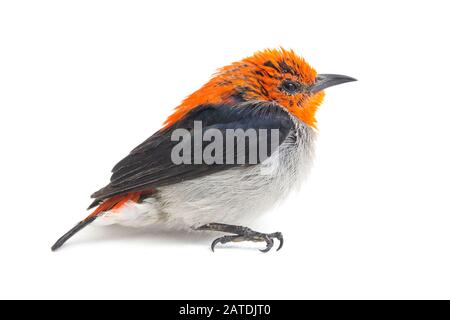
{"points": [[273, 92]]}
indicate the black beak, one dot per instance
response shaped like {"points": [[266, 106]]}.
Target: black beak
{"points": [[324, 81]]}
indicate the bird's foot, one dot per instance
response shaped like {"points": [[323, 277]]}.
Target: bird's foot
{"points": [[242, 234]]}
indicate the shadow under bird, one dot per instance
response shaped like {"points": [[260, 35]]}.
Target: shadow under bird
{"points": [[273, 91]]}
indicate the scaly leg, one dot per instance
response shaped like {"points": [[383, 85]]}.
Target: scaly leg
{"points": [[242, 234]]}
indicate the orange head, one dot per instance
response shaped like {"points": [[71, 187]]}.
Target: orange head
{"points": [[270, 75]]}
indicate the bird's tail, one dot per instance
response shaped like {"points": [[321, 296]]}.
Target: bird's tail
{"points": [[109, 204], [72, 231]]}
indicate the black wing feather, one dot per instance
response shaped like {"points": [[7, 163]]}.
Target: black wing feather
{"points": [[149, 165]]}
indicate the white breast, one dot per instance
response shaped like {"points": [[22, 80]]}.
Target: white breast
{"points": [[234, 196]]}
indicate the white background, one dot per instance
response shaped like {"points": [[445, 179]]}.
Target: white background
{"points": [[83, 82]]}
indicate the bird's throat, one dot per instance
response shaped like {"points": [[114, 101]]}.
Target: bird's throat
{"points": [[306, 112]]}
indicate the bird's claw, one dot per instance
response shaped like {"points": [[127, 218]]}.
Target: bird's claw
{"points": [[252, 236], [269, 241], [269, 244], [240, 233], [279, 237], [222, 240]]}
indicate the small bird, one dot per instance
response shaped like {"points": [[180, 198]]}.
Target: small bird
{"points": [[273, 90]]}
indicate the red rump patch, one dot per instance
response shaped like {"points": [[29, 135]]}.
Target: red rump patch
{"points": [[115, 203]]}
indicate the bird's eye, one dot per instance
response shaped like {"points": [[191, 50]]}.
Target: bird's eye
{"points": [[290, 87]]}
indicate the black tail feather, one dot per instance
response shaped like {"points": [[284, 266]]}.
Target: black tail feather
{"points": [[72, 231], [94, 204]]}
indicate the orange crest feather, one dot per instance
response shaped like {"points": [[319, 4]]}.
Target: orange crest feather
{"points": [[258, 77]]}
